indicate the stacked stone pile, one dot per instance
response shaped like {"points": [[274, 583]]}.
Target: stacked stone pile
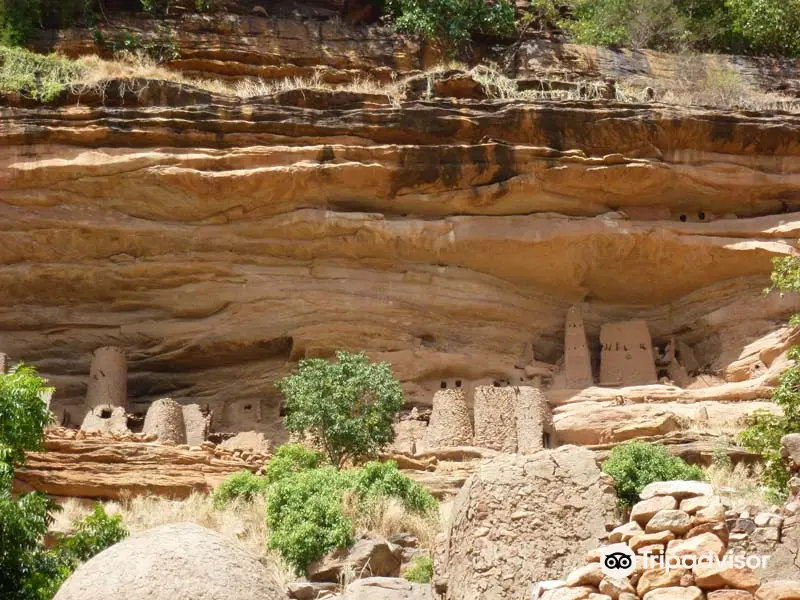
{"points": [[678, 520]]}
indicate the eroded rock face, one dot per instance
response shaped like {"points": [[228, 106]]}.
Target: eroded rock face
{"points": [[525, 518], [173, 562], [102, 467], [226, 240]]}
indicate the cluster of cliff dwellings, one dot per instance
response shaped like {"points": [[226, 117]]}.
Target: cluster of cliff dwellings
{"points": [[495, 414], [106, 408], [490, 414]]}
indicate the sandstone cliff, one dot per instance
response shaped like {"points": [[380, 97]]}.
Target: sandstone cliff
{"points": [[219, 240]]}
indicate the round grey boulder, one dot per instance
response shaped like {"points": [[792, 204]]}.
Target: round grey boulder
{"points": [[182, 561]]}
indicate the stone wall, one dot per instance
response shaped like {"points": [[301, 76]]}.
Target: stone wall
{"points": [[507, 419], [534, 418], [495, 418], [451, 421], [165, 419]]}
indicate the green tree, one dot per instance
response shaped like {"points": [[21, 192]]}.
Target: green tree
{"points": [[634, 465], [24, 519], [769, 26], [18, 20], [347, 406], [28, 570], [638, 23], [452, 22], [24, 413]]}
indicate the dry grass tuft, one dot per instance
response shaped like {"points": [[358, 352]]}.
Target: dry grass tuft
{"points": [[740, 485], [242, 522], [44, 76], [386, 516], [140, 66]]}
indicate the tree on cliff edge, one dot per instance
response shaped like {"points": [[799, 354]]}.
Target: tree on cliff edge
{"points": [[347, 406]]}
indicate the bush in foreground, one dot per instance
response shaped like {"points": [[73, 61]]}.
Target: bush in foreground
{"points": [[634, 465], [29, 570], [306, 513]]}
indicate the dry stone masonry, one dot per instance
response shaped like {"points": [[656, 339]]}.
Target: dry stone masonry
{"points": [[495, 418], [165, 420], [680, 520], [522, 518], [507, 419], [451, 421]]}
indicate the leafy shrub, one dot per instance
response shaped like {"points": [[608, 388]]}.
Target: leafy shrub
{"points": [[305, 516], [377, 479], [291, 458], [27, 571], [634, 465], [92, 535], [638, 23], [452, 22], [305, 511], [35, 76], [18, 20], [769, 26], [420, 570], [346, 407], [156, 7], [243, 485]]}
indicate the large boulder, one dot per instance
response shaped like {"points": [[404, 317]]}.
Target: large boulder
{"points": [[386, 588], [376, 558], [525, 518], [790, 450], [182, 561]]}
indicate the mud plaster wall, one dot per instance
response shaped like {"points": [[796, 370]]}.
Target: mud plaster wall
{"points": [[106, 419], [108, 378], [627, 354], [577, 360]]}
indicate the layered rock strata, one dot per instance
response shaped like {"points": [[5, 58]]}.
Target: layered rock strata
{"points": [[218, 242]]}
